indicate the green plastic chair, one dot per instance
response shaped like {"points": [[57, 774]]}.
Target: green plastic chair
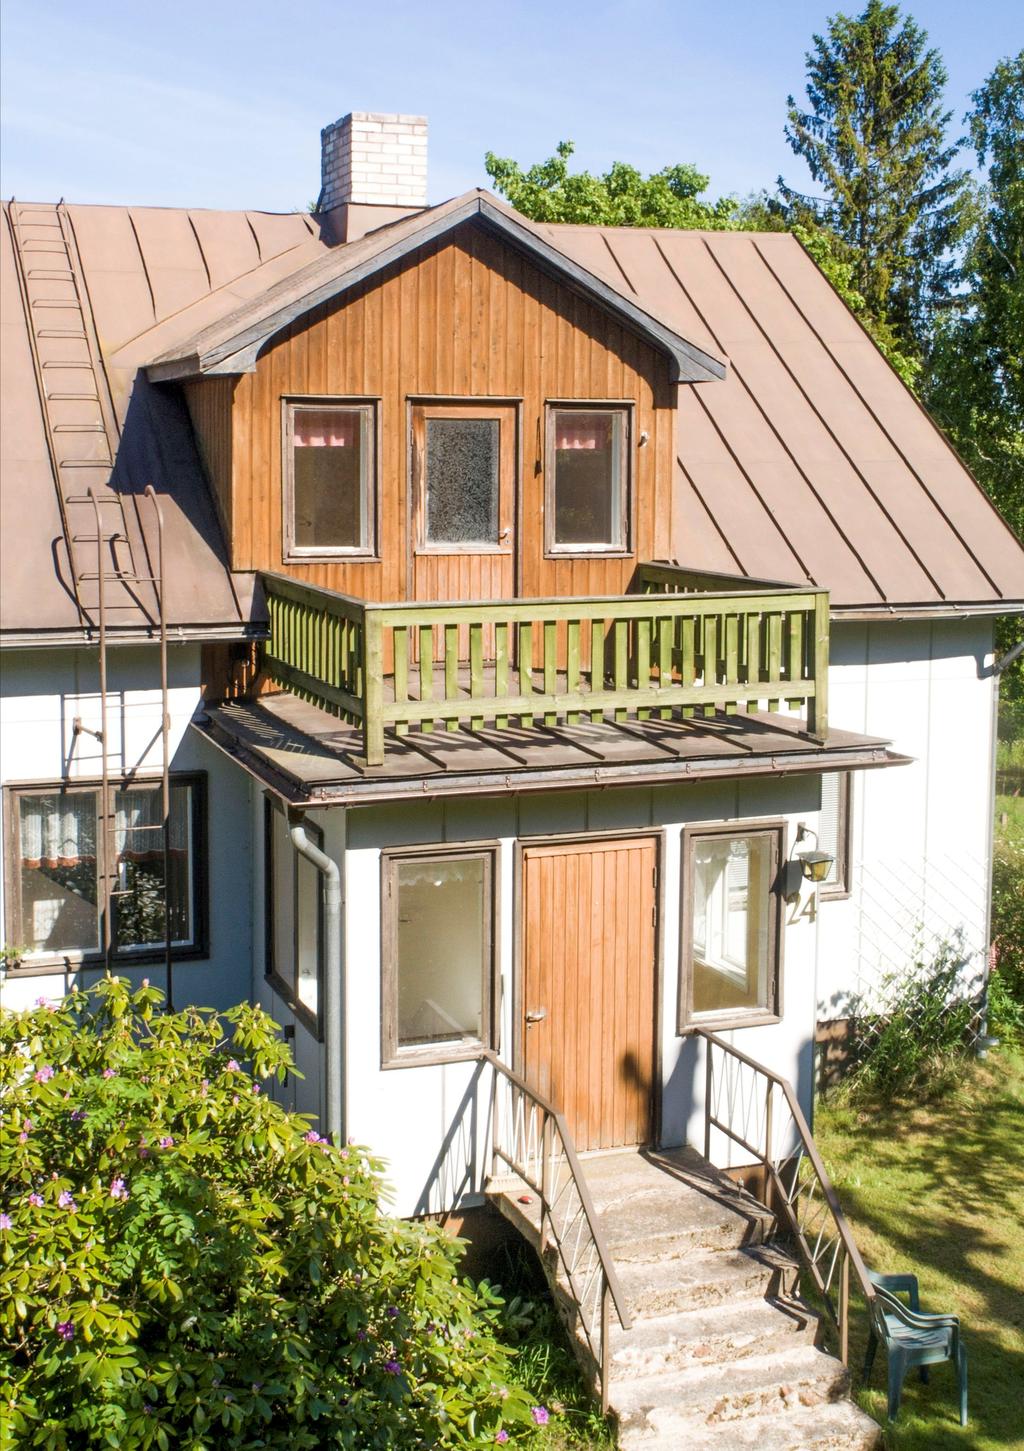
{"points": [[911, 1338]]}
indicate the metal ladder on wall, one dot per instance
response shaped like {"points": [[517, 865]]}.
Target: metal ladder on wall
{"points": [[82, 437]]}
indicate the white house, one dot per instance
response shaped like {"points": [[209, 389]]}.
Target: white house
{"points": [[527, 590]]}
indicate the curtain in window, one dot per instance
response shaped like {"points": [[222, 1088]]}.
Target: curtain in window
{"points": [[325, 428], [137, 813], [58, 830], [584, 430]]}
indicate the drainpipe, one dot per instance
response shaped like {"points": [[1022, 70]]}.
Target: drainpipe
{"points": [[333, 984], [985, 1039]]}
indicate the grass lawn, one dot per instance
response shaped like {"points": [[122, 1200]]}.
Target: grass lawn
{"points": [[937, 1189]]}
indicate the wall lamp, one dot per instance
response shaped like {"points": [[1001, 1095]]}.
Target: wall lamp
{"points": [[812, 865], [816, 864]]}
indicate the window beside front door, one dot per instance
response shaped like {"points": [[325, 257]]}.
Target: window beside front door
{"points": [[57, 845], [731, 928], [835, 826], [587, 505], [438, 955], [293, 894], [329, 480]]}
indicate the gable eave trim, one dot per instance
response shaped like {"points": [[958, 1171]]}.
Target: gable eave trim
{"points": [[238, 353]]}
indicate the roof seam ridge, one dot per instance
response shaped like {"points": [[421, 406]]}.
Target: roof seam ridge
{"points": [[731, 452], [881, 427]]}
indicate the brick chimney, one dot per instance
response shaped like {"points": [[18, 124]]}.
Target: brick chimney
{"points": [[373, 168]]}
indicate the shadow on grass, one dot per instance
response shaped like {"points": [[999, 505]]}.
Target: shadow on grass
{"points": [[937, 1190]]}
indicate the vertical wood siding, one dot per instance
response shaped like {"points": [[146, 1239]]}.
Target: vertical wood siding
{"points": [[209, 406], [589, 960], [461, 319]]}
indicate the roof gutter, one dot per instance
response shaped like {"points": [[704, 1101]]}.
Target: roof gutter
{"points": [[944, 611], [147, 635]]}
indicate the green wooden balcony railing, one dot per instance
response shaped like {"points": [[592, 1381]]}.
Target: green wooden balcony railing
{"points": [[667, 653]]}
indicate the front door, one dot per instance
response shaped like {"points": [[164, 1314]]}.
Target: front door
{"points": [[587, 1003]]}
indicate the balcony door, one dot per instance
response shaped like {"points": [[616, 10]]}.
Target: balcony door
{"points": [[463, 501]]}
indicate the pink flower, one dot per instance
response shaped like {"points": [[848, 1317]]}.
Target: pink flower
{"points": [[501, 1438], [167, 1142], [540, 1415], [232, 1066], [78, 1115], [312, 1137], [44, 1074], [5, 1221], [66, 1330], [110, 1073], [118, 1189], [36, 1200], [23, 1138], [204, 1090], [392, 1367], [65, 1199], [145, 982], [255, 1088]]}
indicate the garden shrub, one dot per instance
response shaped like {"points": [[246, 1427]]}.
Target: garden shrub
{"points": [[186, 1265], [1006, 991], [922, 1033]]}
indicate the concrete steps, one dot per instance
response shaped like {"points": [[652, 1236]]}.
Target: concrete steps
{"points": [[722, 1353]]}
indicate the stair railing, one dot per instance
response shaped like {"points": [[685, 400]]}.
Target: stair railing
{"points": [[531, 1140], [758, 1110]]}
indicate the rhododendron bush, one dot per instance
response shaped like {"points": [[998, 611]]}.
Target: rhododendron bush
{"points": [[186, 1265]]}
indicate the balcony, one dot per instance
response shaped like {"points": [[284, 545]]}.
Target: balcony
{"points": [[680, 646]]}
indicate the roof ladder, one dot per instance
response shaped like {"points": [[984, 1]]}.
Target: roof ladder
{"points": [[109, 887], [82, 432]]}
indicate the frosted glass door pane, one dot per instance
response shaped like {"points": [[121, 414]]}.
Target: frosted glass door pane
{"points": [[442, 923], [462, 480], [731, 923]]}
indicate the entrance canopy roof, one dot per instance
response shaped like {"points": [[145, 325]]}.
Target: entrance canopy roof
{"points": [[310, 758]]}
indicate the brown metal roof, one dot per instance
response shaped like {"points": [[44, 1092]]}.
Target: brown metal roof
{"points": [[811, 461], [231, 344], [136, 267], [308, 756]]}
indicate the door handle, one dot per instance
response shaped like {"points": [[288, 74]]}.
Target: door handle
{"points": [[504, 534], [538, 1016]]}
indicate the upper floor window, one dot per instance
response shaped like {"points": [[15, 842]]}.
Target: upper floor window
{"points": [[57, 843], [588, 480], [329, 471]]}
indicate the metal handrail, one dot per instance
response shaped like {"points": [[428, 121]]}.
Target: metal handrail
{"points": [[807, 1219], [538, 1154]]}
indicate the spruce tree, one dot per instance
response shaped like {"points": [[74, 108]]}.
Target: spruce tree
{"points": [[874, 137]]}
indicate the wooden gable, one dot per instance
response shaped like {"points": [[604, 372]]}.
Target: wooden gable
{"points": [[464, 317]]}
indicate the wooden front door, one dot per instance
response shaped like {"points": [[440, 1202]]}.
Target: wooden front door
{"points": [[463, 496], [586, 1007]]}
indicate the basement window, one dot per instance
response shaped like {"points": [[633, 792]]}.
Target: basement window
{"points": [[587, 503], [57, 846], [438, 956], [329, 472], [731, 923]]}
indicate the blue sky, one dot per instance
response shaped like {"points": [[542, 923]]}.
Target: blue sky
{"points": [[220, 103]]}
